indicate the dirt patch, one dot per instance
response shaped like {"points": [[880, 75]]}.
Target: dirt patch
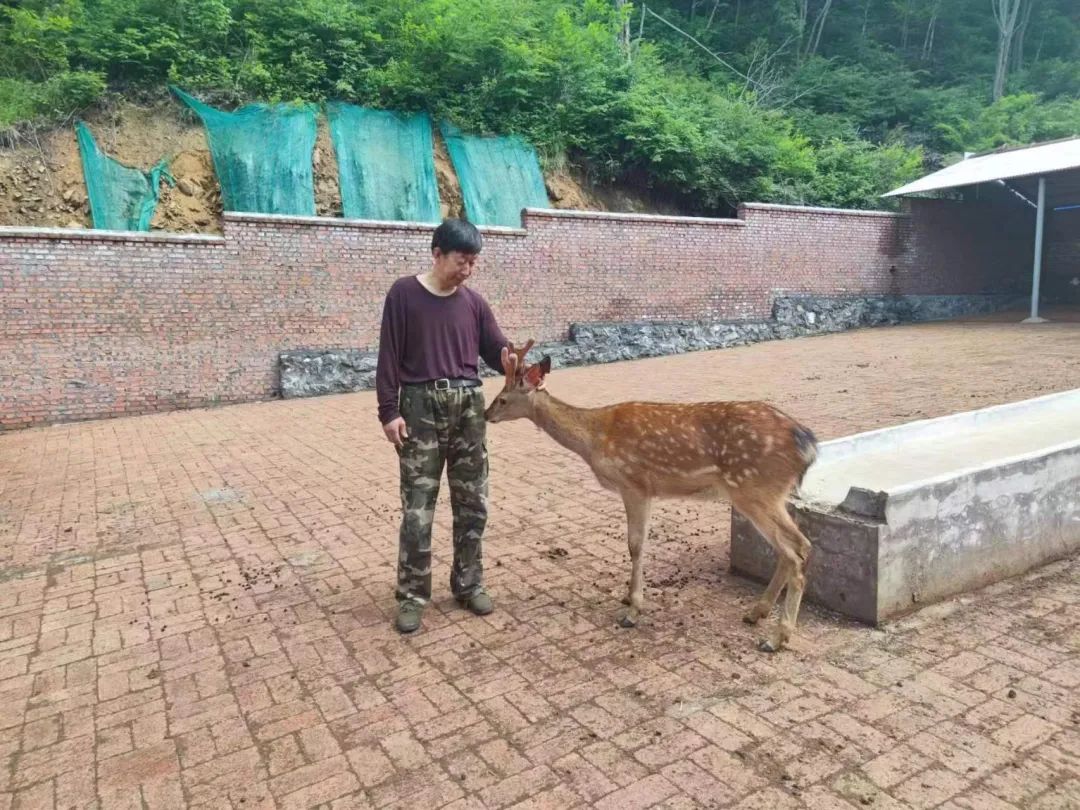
{"points": [[567, 192], [632, 200], [451, 202], [41, 180], [327, 184], [194, 203], [41, 183], [570, 188]]}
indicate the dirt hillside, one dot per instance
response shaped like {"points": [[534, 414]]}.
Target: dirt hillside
{"points": [[41, 181]]}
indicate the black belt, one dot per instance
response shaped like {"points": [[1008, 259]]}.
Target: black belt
{"points": [[446, 384]]}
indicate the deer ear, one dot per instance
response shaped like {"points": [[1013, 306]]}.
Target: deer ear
{"points": [[536, 372], [533, 376]]}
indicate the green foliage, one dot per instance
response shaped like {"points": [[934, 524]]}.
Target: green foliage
{"points": [[17, 102], [59, 97], [1021, 118], [712, 148], [756, 110], [34, 44], [851, 174]]}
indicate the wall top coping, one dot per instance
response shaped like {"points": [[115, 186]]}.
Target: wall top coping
{"points": [[161, 237], [92, 235], [615, 216], [810, 209], [365, 224]]}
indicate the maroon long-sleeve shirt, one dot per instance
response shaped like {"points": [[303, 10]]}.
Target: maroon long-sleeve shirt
{"points": [[428, 337]]}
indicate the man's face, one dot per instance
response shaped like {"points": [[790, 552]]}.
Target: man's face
{"points": [[454, 268]]}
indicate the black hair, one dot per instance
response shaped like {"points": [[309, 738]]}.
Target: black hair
{"points": [[457, 234]]}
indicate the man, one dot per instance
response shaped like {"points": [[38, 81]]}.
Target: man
{"points": [[431, 406]]}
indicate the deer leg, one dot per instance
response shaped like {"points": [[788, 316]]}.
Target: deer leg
{"points": [[792, 549], [763, 519], [796, 583], [763, 606], [638, 509]]}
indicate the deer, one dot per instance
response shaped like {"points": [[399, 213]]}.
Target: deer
{"points": [[748, 452]]}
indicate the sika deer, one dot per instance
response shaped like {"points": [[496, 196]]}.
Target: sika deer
{"points": [[749, 452]]}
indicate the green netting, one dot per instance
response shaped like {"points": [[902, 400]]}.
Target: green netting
{"points": [[121, 198], [262, 155], [499, 176], [386, 166]]}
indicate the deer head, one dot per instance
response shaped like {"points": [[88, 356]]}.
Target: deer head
{"points": [[522, 381]]}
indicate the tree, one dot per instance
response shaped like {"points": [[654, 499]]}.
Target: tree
{"points": [[1007, 17], [818, 27], [624, 30], [931, 26], [1021, 32]]}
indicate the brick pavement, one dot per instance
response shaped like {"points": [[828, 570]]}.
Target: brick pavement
{"points": [[195, 607]]}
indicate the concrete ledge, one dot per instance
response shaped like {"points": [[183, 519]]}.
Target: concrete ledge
{"points": [[361, 224], [809, 209], [913, 514], [613, 216], [92, 235]]}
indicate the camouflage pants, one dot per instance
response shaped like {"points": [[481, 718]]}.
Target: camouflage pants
{"points": [[445, 428]]}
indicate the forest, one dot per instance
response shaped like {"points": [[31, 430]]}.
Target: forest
{"points": [[710, 102]]}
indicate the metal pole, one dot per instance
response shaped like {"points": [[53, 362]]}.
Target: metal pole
{"points": [[1040, 216]]}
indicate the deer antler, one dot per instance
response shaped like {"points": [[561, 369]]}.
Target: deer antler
{"points": [[514, 361], [522, 352], [510, 366]]}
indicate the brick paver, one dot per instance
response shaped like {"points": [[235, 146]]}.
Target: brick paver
{"points": [[195, 610]]}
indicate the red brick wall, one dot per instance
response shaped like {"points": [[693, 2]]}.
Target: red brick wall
{"points": [[95, 324], [971, 247], [1062, 258]]}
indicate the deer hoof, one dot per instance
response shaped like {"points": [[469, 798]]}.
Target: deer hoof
{"points": [[627, 618], [768, 645], [751, 616]]}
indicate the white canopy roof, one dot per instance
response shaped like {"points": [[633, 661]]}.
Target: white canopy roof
{"points": [[1029, 161]]}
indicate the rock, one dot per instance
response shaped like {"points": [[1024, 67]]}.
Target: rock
{"points": [[314, 372], [185, 187], [310, 373]]}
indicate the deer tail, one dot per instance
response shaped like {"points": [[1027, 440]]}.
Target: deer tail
{"points": [[806, 445]]}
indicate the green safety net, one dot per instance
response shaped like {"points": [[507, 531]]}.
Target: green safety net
{"points": [[386, 166], [499, 176], [121, 198], [262, 155]]}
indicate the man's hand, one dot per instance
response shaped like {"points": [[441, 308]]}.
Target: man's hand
{"points": [[395, 431]]}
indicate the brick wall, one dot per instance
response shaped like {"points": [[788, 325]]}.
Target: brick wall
{"points": [[972, 246], [1062, 258], [95, 324]]}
